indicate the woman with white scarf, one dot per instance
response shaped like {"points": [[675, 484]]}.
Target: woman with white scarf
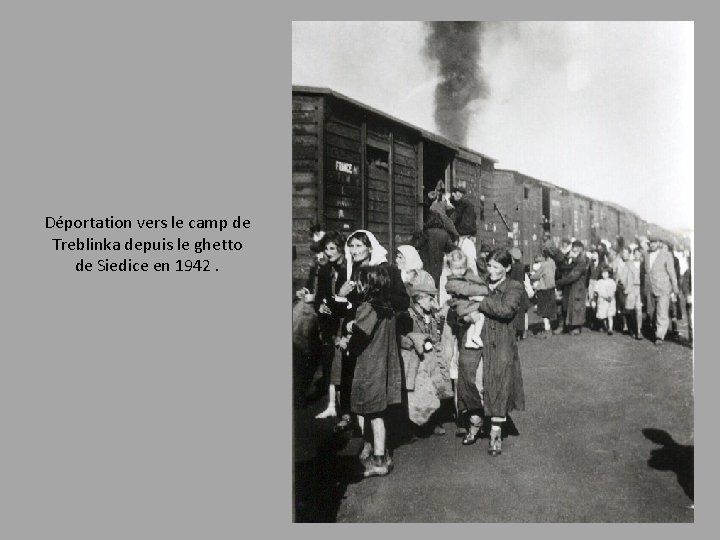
{"points": [[410, 264], [363, 249]]}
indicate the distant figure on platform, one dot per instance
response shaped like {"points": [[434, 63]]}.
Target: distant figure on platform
{"points": [[544, 280], [605, 289], [574, 289], [594, 265], [663, 287], [619, 273], [687, 292], [633, 292], [517, 273]]}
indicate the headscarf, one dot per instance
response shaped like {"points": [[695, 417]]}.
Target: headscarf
{"points": [[378, 254], [412, 257], [413, 262]]}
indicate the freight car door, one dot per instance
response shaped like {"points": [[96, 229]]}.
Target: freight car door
{"points": [[378, 194], [343, 185]]}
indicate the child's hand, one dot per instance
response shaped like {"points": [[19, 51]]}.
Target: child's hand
{"points": [[324, 309], [300, 293], [346, 288], [342, 343]]}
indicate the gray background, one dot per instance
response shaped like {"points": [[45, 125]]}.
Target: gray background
{"points": [[158, 405]]}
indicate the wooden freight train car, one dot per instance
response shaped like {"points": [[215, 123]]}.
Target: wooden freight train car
{"points": [[580, 222], [515, 205], [355, 167]]}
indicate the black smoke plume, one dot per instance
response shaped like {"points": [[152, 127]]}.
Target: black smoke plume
{"points": [[456, 48]]}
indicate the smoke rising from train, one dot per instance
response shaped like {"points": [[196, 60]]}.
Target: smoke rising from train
{"points": [[456, 48]]}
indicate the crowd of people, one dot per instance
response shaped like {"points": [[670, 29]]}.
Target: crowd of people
{"points": [[638, 287], [434, 333]]}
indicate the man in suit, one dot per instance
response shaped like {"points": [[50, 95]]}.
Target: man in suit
{"points": [[661, 282]]}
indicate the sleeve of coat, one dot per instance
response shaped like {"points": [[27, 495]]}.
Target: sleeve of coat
{"points": [[365, 319], [504, 305], [398, 292], [538, 274], [465, 288], [622, 276], [686, 283], [577, 272], [670, 265]]}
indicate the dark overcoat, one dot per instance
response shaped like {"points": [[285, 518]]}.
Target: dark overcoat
{"points": [[502, 377], [574, 289], [438, 243]]}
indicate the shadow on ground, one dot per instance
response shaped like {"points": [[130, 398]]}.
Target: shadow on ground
{"points": [[321, 482], [673, 457]]}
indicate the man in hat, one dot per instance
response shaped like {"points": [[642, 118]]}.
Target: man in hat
{"points": [[463, 215], [661, 283]]}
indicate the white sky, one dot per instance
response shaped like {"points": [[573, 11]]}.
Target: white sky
{"points": [[601, 108]]}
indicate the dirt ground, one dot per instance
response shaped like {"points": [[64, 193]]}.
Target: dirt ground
{"points": [[607, 437]]}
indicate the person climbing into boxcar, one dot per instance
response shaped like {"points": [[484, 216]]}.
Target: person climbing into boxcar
{"points": [[544, 277], [463, 215], [502, 383], [362, 249], [330, 312], [574, 289], [439, 242]]}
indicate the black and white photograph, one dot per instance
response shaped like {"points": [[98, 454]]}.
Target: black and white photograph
{"points": [[492, 271]]}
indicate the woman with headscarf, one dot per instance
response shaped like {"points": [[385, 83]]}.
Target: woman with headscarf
{"points": [[410, 265], [361, 250]]}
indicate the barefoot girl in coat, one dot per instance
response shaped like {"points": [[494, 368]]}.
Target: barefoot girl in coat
{"points": [[377, 379]]}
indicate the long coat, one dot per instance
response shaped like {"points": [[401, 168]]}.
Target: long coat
{"points": [[438, 243], [574, 288], [502, 376], [464, 218]]}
